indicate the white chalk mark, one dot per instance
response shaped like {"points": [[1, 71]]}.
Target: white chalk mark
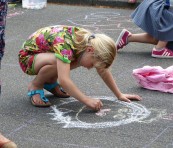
{"points": [[138, 113], [104, 21], [158, 114], [157, 137], [14, 14], [103, 112], [59, 116], [170, 145], [168, 117]]}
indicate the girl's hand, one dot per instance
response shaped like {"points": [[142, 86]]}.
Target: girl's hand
{"points": [[129, 97], [94, 104]]}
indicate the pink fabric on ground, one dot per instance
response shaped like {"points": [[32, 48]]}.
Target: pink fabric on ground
{"points": [[155, 78]]}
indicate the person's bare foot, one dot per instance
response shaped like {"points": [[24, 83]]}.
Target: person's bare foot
{"points": [[9, 144], [36, 97], [57, 91], [6, 143]]}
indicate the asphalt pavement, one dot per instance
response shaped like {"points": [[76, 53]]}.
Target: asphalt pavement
{"points": [[98, 3], [68, 124]]}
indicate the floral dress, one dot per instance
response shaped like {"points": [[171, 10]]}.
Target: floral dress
{"points": [[54, 39]]}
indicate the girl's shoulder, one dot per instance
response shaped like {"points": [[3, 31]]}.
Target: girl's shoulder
{"points": [[71, 29], [56, 29]]}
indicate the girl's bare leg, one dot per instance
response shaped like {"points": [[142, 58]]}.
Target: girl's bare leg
{"points": [[45, 68], [142, 38]]}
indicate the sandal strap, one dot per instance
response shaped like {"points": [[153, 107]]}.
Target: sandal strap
{"points": [[40, 92], [49, 87]]}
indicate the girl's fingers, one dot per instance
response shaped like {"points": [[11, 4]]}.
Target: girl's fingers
{"points": [[129, 97], [99, 105], [135, 97]]}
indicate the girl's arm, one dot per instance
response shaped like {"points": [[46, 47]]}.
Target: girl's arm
{"points": [[74, 65], [63, 70], [107, 77]]}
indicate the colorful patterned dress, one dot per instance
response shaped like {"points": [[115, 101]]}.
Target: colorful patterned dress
{"points": [[54, 39]]}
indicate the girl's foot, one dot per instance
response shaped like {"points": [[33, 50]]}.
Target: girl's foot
{"points": [[56, 90], [37, 96]]}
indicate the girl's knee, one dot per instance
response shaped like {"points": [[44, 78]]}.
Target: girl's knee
{"points": [[44, 59]]}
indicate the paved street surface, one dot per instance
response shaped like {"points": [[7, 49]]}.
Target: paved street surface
{"points": [[109, 3], [68, 124]]}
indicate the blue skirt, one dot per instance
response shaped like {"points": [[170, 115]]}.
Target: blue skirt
{"points": [[154, 18]]}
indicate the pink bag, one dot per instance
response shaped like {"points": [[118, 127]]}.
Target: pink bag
{"points": [[155, 78]]}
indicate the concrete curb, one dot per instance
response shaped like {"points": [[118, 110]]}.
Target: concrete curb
{"points": [[104, 3]]}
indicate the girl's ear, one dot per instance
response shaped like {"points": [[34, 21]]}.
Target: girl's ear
{"points": [[90, 49]]}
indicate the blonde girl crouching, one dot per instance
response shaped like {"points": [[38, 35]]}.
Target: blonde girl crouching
{"points": [[51, 52]]}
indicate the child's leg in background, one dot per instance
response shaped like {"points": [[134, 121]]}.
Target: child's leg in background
{"points": [[161, 49], [142, 38], [161, 45], [126, 36]]}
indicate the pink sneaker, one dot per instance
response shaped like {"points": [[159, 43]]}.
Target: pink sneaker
{"points": [[122, 39], [164, 53]]}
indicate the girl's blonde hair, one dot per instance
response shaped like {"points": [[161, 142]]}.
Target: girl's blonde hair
{"points": [[104, 47]]}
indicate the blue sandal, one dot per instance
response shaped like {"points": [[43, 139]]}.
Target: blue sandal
{"points": [[42, 97], [51, 89]]}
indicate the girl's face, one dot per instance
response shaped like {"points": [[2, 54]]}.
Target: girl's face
{"points": [[87, 60]]}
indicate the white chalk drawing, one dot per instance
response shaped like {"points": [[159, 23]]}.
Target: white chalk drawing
{"points": [[170, 145], [167, 131], [134, 113], [168, 117], [105, 22], [115, 112], [103, 112], [156, 114], [13, 14]]}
